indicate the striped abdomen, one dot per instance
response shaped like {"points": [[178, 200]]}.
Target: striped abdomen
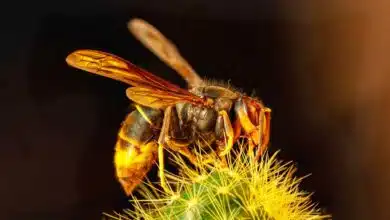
{"points": [[136, 148]]}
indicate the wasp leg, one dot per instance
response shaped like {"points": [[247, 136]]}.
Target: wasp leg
{"points": [[166, 140], [265, 122], [254, 132], [224, 129], [181, 146], [237, 129], [177, 138], [161, 144]]}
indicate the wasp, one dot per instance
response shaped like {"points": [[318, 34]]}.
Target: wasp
{"points": [[167, 116]]}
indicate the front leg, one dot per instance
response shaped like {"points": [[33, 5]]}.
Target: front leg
{"points": [[258, 135], [265, 123]]}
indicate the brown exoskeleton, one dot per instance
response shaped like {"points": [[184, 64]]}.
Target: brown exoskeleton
{"points": [[167, 116]]}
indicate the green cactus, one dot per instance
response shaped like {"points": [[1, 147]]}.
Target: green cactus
{"points": [[242, 189]]}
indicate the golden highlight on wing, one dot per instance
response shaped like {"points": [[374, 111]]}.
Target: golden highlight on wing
{"points": [[146, 84], [103, 64], [154, 98], [156, 42]]}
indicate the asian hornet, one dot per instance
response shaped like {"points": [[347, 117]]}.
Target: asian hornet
{"points": [[167, 116]]}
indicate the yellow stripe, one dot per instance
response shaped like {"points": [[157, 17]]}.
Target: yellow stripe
{"points": [[124, 137], [141, 111]]}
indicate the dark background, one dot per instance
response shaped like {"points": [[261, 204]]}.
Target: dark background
{"points": [[321, 67]]}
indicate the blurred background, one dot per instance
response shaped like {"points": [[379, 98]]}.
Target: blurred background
{"points": [[322, 66]]}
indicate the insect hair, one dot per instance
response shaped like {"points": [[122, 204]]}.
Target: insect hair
{"points": [[222, 83]]}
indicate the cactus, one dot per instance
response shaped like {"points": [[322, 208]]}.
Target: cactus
{"points": [[242, 189]]}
